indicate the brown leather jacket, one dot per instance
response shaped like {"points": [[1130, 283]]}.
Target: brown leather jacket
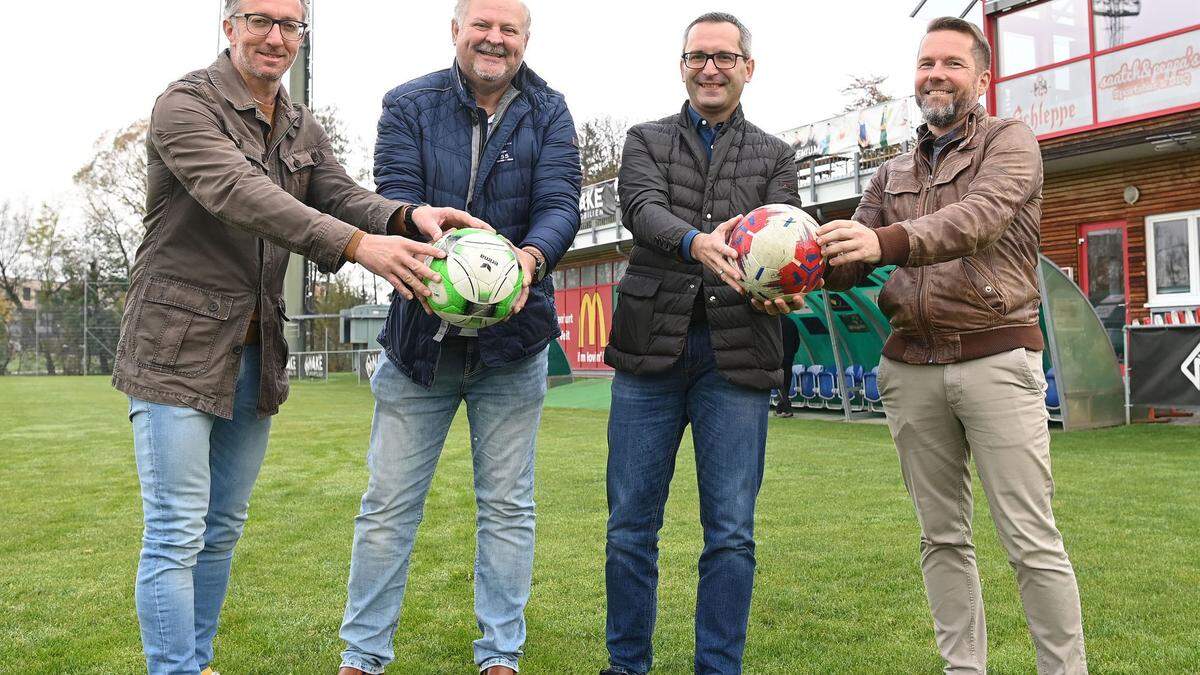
{"points": [[225, 205], [966, 242]]}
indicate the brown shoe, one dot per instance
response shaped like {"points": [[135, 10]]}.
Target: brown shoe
{"points": [[347, 670], [499, 670]]}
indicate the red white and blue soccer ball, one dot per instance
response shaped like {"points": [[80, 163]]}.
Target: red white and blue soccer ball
{"points": [[777, 251]]}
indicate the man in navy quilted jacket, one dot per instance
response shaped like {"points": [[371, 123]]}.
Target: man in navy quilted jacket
{"points": [[488, 136]]}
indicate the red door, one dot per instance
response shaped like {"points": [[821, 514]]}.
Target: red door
{"points": [[1104, 275]]}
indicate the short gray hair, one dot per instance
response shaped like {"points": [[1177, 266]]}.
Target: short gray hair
{"points": [[722, 17], [232, 7], [460, 13]]}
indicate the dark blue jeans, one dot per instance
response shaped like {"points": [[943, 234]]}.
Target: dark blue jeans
{"points": [[729, 430]]}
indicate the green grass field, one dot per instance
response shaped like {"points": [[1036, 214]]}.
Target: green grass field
{"points": [[838, 590]]}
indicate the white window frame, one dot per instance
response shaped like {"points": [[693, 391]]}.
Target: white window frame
{"points": [[1158, 300]]}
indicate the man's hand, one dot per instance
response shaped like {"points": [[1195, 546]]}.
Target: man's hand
{"points": [[401, 262], [711, 250], [847, 241], [528, 262], [783, 304], [434, 221]]}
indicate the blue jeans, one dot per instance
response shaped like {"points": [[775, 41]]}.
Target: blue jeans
{"points": [[729, 430], [196, 472], [504, 408]]}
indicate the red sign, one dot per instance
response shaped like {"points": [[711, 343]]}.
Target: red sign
{"points": [[585, 317]]}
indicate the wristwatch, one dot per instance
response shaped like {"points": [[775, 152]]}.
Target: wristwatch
{"points": [[539, 262], [410, 225]]}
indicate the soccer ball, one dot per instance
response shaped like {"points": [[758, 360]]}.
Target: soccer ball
{"points": [[481, 279], [777, 252]]}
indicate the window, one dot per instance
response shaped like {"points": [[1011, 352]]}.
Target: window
{"points": [[1119, 22], [1041, 35], [587, 275], [1068, 65], [559, 280], [26, 294], [572, 278], [604, 273], [1173, 259]]}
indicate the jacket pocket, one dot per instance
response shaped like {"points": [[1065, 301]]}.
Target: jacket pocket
{"points": [[299, 166], [987, 291], [178, 325], [634, 312], [903, 196]]}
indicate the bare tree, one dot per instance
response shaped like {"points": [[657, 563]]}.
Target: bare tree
{"points": [[15, 223], [113, 190], [600, 141], [865, 91], [347, 147]]}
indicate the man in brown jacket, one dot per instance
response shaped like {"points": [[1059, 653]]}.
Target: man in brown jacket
{"points": [[238, 176], [961, 373]]}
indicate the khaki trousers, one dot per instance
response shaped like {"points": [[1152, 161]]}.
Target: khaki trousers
{"points": [[992, 408]]}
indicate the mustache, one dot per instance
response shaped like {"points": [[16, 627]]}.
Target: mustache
{"points": [[492, 50]]}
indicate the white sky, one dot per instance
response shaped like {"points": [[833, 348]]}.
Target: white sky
{"points": [[100, 65]]}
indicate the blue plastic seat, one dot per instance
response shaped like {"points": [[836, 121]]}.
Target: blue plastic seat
{"points": [[871, 389], [1053, 404], [808, 386], [828, 389]]}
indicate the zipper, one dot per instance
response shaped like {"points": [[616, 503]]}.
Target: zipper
{"points": [[922, 320], [480, 117]]}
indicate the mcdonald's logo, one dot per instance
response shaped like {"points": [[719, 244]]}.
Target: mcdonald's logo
{"points": [[591, 318]]}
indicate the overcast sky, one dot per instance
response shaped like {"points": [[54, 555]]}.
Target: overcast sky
{"points": [[98, 66]]}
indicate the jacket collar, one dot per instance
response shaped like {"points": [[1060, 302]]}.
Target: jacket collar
{"points": [[230, 84], [525, 80], [685, 118]]}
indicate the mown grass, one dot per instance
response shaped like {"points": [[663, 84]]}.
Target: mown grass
{"points": [[838, 588]]}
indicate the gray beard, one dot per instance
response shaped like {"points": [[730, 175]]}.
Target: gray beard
{"points": [[939, 116]]}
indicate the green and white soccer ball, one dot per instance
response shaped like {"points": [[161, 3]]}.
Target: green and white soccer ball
{"points": [[481, 279]]}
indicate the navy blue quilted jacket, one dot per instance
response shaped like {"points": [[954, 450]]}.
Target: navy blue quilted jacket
{"points": [[527, 187]]}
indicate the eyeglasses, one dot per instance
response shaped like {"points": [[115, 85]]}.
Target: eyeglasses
{"points": [[722, 60], [261, 24]]}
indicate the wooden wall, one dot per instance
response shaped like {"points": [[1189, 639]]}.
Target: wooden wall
{"points": [[1070, 199]]}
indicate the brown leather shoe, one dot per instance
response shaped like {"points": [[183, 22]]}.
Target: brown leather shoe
{"points": [[499, 670], [347, 670]]}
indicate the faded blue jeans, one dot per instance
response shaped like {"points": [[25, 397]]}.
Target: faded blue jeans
{"points": [[729, 429], [196, 472], [504, 408]]}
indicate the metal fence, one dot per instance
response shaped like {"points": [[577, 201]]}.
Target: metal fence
{"points": [[317, 365], [72, 332]]}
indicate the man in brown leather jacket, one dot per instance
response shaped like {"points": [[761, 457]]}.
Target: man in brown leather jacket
{"points": [[961, 373], [238, 176]]}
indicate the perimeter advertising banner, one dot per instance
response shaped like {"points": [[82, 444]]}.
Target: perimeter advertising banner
{"points": [[1164, 366], [585, 318]]}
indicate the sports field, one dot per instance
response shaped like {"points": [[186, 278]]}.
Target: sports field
{"points": [[838, 590]]}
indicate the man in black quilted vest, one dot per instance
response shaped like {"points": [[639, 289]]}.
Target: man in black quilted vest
{"points": [[689, 348]]}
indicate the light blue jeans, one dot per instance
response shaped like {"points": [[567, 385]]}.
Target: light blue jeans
{"points": [[504, 408], [196, 472]]}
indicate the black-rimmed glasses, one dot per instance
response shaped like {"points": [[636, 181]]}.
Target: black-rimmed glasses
{"points": [[261, 24], [722, 60]]}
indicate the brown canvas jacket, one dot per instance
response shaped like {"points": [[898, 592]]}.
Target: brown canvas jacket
{"points": [[966, 241], [224, 208]]}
